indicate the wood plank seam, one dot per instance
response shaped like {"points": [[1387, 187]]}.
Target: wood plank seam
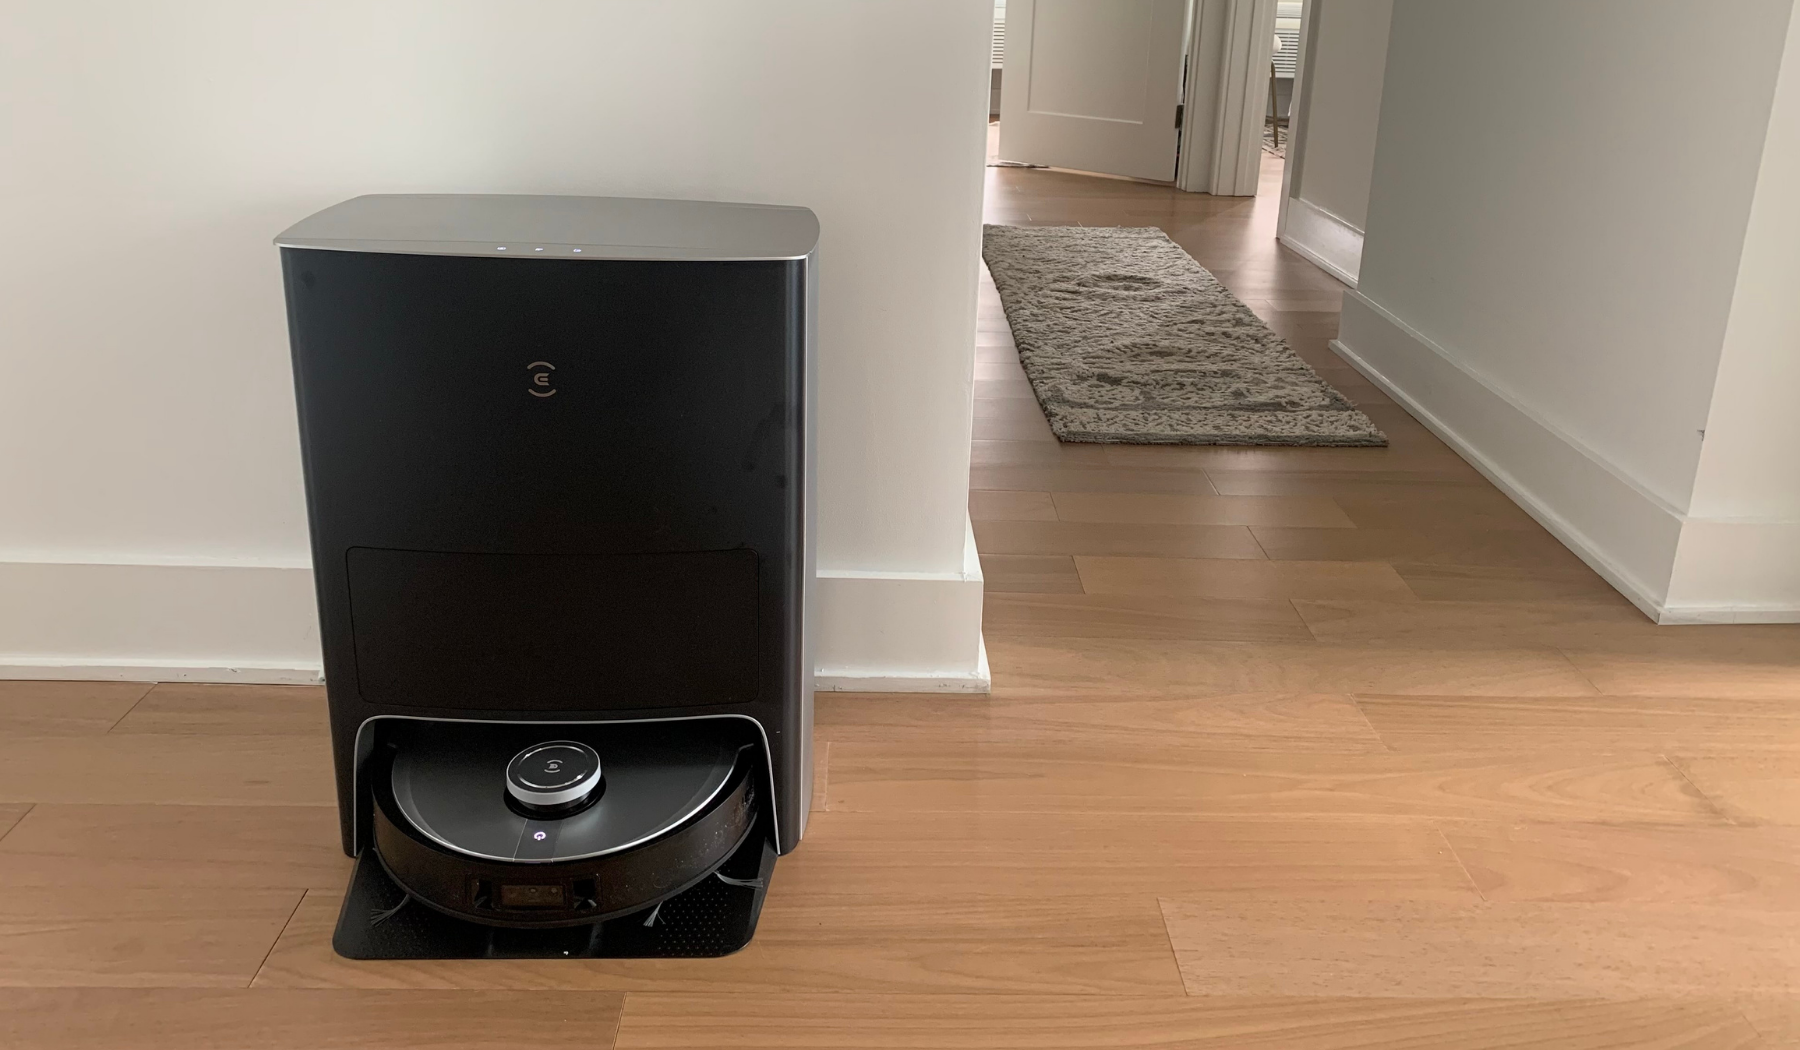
{"points": [[148, 689], [1713, 804], [1579, 670], [1461, 864], [254, 974], [10, 828], [1356, 702]]}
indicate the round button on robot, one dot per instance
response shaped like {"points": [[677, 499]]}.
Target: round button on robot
{"points": [[553, 779]]}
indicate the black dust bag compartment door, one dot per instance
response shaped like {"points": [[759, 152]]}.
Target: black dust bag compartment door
{"points": [[553, 632]]}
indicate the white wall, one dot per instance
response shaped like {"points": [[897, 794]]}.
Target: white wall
{"points": [[154, 149], [1346, 58], [1331, 157], [1740, 548], [1557, 216]]}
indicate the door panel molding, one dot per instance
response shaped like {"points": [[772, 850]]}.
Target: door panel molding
{"points": [[1093, 85]]}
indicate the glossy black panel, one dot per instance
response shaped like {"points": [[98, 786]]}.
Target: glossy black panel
{"points": [[553, 632]]}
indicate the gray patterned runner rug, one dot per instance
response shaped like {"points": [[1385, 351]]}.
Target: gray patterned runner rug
{"points": [[1126, 339]]}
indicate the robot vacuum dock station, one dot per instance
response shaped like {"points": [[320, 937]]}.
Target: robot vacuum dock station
{"points": [[558, 457]]}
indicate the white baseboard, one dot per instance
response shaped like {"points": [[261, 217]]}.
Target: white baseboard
{"points": [[1675, 568], [1621, 531], [1323, 239], [205, 622], [1734, 612], [167, 621], [902, 631], [1735, 572], [48, 669], [978, 680]]}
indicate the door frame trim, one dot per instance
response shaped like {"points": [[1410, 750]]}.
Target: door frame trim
{"points": [[1221, 142], [1290, 172]]}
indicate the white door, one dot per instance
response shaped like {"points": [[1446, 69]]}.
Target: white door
{"points": [[1093, 84]]}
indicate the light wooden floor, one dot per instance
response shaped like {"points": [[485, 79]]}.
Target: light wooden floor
{"points": [[1303, 748]]}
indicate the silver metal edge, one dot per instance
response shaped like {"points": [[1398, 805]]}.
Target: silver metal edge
{"points": [[768, 769], [718, 211], [810, 542], [589, 252]]}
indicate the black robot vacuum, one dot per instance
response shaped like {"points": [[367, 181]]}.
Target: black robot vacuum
{"points": [[558, 460]]}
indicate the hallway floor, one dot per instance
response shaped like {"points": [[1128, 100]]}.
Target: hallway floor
{"points": [[1288, 748]]}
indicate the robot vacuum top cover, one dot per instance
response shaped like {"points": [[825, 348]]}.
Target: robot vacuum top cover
{"points": [[452, 785]]}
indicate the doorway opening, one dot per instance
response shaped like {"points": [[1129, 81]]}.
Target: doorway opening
{"points": [[1174, 92], [1284, 66]]}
